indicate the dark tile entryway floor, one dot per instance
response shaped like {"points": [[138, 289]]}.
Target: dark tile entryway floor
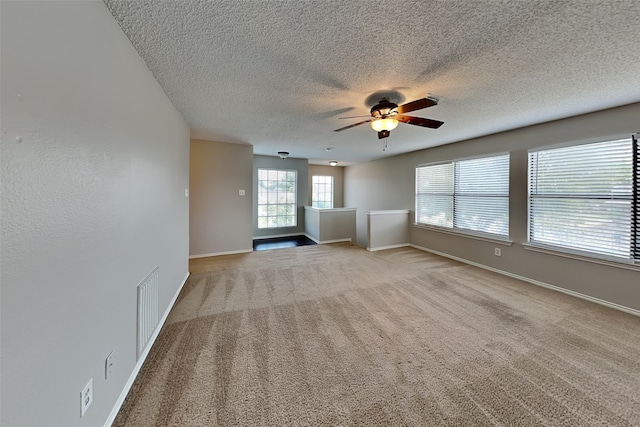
{"points": [[281, 242]]}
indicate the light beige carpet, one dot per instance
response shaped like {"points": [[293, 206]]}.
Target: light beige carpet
{"points": [[334, 335]]}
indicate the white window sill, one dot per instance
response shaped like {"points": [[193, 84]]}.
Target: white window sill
{"points": [[567, 253], [483, 237], [313, 208]]}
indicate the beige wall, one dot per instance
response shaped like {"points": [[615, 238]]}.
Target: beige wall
{"points": [[221, 221], [219, 218], [330, 225], [337, 172], [389, 184], [93, 199], [379, 185], [387, 229]]}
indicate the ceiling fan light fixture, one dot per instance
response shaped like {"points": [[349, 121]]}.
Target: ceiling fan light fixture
{"points": [[283, 154], [384, 124], [333, 163]]}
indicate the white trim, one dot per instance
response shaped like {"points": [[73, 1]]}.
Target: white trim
{"points": [[382, 248], [313, 208], [389, 212], [143, 357], [275, 236], [332, 188], [294, 203], [323, 242], [241, 251], [536, 282], [574, 255], [470, 235]]}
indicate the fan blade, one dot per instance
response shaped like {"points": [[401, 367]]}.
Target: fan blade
{"points": [[416, 105], [419, 121], [353, 125]]}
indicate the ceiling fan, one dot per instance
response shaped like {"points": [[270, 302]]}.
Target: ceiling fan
{"points": [[385, 116]]}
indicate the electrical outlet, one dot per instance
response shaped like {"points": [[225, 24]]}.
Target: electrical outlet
{"points": [[86, 397], [108, 366], [498, 252], [240, 192], [186, 192]]}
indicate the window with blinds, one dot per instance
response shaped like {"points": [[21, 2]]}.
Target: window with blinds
{"points": [[467, 195], [584, 198], [322, 191], [277, 198]]}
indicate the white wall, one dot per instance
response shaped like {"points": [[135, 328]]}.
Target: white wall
{"points": [[220, 219], [92, 200], [389, 184]]}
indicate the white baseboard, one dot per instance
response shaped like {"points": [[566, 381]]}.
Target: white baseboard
{"points": [[241, 251], [143, 357], [324, 242], [535, 282], [382, 248]]}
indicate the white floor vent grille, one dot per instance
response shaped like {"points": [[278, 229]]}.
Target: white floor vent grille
{"points": [[147, 309]]}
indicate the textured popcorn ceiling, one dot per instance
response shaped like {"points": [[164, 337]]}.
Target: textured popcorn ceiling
{"points": [[278, 74]]}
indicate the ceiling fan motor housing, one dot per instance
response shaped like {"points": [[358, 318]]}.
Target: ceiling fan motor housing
{"points": [[383, 108]]}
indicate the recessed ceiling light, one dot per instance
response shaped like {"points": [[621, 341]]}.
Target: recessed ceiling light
{"points": [[328, 149]]}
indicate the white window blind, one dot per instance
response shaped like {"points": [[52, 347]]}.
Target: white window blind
{"points": [[635, 248], [277, 198], [585, 198], [434, 195], [322, 191], [467, 195]]}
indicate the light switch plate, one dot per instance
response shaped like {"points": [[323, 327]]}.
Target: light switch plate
{"points": [[86, 397], [108, 366]]}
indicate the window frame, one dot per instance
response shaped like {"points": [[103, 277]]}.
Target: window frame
{"points": [[313, 192], [293, 204], [634, 211], [454, 229]]}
